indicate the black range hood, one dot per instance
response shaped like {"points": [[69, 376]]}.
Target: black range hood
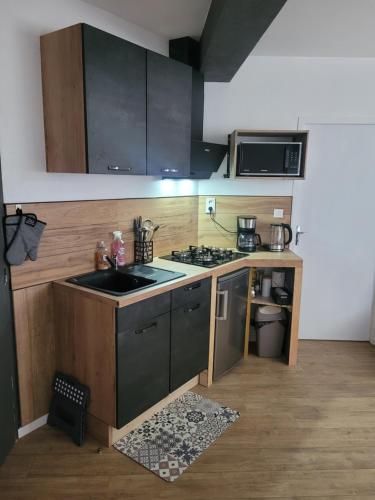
{"points": [[205, 158]]}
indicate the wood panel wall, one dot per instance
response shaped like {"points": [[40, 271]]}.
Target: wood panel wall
{"points": [[35, 343], [227, 209], [67, 249], [73, 229]]}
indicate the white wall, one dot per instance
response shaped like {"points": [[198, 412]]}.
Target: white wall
{"points": [[372, 328], [321, 28], [332, 199], [267, 92], [272, 93], [21, 113]]}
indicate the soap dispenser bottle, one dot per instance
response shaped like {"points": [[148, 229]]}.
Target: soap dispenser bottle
{"points": [[118, 249], [101, 257]]}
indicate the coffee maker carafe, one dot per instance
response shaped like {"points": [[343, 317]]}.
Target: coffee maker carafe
{"points": [[247, 238]]}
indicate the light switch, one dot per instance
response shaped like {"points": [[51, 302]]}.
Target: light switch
{"points": [[278, 213]]}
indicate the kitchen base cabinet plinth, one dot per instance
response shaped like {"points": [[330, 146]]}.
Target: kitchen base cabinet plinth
{"points": [[108, 435]]}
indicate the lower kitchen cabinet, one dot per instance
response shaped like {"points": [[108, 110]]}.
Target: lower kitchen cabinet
{"points": [[190, 330], [143, 356], [161, 343]]}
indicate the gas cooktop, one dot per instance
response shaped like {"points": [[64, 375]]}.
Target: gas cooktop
{"points": [[204, 256]]}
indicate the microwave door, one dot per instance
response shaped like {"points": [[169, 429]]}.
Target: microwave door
{"points": [[262, 159]]}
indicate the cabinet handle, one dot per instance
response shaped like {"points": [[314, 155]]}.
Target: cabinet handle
{"points": [[116, 168], [5, 281], [223, 316], [169, 170], [193, 308], [146, 328], [192, 287]]}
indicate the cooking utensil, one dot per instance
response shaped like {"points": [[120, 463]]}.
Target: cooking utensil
{"points": [[144, 230]]}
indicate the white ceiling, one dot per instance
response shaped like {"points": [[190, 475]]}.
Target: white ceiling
{"points": [[321, 28], [303, 28], [170, 18]]}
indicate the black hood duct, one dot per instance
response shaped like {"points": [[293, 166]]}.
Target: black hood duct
{"points": [[205, 157], [231, 31]]}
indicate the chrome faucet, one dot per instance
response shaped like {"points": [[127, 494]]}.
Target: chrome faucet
{"points": [[113, 262]]}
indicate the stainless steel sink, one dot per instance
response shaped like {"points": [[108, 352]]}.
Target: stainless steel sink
{"points": [[127, 280]]}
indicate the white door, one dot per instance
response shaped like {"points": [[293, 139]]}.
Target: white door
{"points": [[335, 207]]}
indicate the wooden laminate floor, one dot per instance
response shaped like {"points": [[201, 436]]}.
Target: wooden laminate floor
{"points": [[304, 433]]}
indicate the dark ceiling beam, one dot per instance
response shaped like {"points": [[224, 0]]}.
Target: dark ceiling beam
{"points": [[232, 29]]}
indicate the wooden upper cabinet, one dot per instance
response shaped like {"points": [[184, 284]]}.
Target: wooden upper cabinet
{"points": [[94, 96], [169, 91]]}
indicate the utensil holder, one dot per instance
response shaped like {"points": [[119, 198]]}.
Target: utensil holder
{"points": [[143, 251]]}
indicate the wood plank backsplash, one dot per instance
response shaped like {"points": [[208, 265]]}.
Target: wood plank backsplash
{"points": [[227, 209], [73, 229], [68, 246]]}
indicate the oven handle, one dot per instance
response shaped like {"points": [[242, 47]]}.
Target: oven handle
{"points": [[224, 315]]}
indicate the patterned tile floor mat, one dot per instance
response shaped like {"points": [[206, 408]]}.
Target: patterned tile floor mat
{"points": [[173, 438]]}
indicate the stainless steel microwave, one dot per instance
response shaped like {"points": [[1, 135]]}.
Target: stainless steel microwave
{"points": [[277, 159]]}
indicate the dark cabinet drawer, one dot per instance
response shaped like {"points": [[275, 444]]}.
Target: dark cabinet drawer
{"points": [[141, 312], [143, 362], [190, 329], [193, 292]]}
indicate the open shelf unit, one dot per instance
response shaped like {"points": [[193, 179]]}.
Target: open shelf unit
{"points": [[250, 344], [265, 136], [267, 301]]}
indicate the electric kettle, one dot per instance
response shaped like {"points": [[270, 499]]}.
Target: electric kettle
{"points": [[278, 240]]}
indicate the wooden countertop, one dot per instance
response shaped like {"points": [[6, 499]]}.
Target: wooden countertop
{"points": [[193, 273]]}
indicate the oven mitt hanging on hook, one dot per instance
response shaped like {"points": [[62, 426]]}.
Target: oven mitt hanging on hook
{"points": [[15, 253], [23, 233]]}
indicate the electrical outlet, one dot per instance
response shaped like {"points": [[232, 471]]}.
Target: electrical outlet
{"points": [[278, 213], [210, 203]]}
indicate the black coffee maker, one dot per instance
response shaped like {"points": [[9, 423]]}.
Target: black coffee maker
{"points": [[247, 239]]}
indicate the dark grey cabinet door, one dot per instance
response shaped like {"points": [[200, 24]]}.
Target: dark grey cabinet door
{"points": [[169, 90], [143, 360], [8, 397], [190, 330], [115, 92]]}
